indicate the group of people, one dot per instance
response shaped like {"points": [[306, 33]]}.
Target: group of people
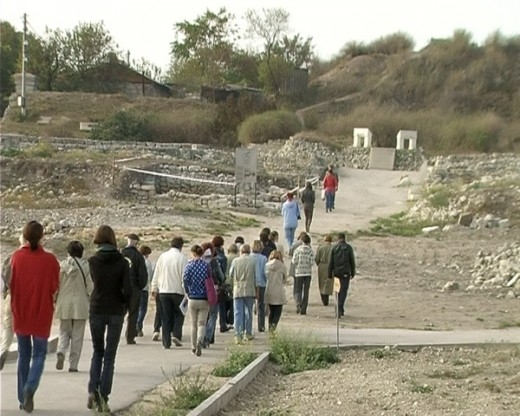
{"points": [[291, 209]]}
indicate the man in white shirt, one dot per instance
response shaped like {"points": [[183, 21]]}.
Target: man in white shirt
{"points": [[167, 283]]}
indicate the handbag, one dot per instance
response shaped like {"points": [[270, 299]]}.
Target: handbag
{"points": [[211, 292], [323, 194]]}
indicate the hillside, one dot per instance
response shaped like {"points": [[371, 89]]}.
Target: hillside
{"points": [[459, 97]]}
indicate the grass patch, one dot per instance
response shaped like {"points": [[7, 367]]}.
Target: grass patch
{"points": [[439, 196], [189, 390], [384, 353], [245, 222], [508, 324], [238, 359], [398, 225], [296, 353], [421, 388]]}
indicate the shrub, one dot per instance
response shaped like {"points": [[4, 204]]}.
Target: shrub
{"points": [[122, 125], [237, 360], [183, 126], [296, 353], [271, 125]]}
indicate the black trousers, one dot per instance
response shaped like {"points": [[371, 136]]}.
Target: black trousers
{"points": [[302, 284], [157, 320], [308, 211], [344, 283], [133, 312], [275, 313], [171, 317]]}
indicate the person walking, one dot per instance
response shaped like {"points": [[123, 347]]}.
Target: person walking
{"points": [[195, 274], [224, 289], [297, 244], [275, 237], [308, 199], [260, 283], [110, 272], [145, 293], [335, 174], [342, 266], [167, 284], [303, 259], [35, 279], [322, 259], [139, 279], [72, 305], [276, 275], [218, 276], [7, 314], [242, 273], [330, 185], [291, 215]]}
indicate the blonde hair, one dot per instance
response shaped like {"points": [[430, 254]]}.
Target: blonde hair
{"points": [[257, 246], [275, 254]]}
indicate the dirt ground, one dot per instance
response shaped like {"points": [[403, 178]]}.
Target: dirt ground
{"points": [[398, 285]]}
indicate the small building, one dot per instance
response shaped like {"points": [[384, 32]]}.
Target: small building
{"points": [[221, 94]]}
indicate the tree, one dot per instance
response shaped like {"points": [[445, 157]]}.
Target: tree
{"points": [[205, 49], [281, 53], [10, 56]]}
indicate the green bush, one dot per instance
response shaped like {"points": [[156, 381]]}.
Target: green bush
{"points": [[271, 125], [122, 125], [297, 352], [183, 126], [238, 359]]}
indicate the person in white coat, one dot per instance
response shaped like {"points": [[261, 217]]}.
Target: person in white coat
{"points": [[72, 305], [275, 297]]}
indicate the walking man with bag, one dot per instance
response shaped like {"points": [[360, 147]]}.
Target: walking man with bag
{"points": [[342, 266]]}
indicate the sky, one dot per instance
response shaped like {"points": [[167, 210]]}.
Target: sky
{"points": [[146, 28]]}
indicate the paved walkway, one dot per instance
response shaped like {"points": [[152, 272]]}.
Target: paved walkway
{"points": [[141, 367]]}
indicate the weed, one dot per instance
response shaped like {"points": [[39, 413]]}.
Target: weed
{"points": [[458, 374], [189, 390], [42, 149], [11, 152], [297, 352], [384, 353], [508, 324], [397, 224], [421, 388], [439, 196], [243, 222], [238, 359]]}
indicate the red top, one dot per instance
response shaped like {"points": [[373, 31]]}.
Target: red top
{"points": [[330, 183], [35, 277]]}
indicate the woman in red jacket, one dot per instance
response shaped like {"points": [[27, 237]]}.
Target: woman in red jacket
{"points": [[330, 185], [35, 276]]}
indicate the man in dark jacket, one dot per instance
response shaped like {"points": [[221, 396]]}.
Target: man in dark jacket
{"points": [[308, 199], [342, 266], [139, 278]]}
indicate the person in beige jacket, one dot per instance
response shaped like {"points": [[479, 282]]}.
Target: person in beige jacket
{"points": [[72, 305], [242, 273], [322, 259], [276, 273]]}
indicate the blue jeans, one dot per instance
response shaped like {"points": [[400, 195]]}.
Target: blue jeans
{"points": [[143, 307], [243, 316], [211, 322], [289, 236], [329, 200], [261, 308], [104, 356], [29, 374]]}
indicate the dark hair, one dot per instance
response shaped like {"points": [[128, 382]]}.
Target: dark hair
{"points": [[264, 237], [217, 241], [75, 249], [266, 230], [105, 235], [177, 242], [306, 239], [207, 245], [290, 195], [274, 235], [197, 250], [33, 233], [233, 248], [301, 235], [341, 236], [308, 185], [145, 250], [239, 240]]}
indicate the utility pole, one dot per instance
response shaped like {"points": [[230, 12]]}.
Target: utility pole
{"points": [[24, 59]]}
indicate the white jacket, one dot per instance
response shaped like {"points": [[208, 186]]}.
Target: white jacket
{"points": [[168, 273]]}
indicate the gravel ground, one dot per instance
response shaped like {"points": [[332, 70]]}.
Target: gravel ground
{"points": [[389, 381]]}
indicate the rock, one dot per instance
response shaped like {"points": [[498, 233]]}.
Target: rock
{"points": [[465, 219], [450, 287], [429, 230]]}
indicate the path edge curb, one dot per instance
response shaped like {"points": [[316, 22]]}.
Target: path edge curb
{"points": [[218, 400]]}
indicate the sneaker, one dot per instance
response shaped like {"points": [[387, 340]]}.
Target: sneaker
{"points": [[198, 351], [155, 336], [140, 334], [3, 359], [249, 337], [60, 359], [193, 351], [93, 398], [176, 342], [28, 401], [73, 370], [131, 342]]}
